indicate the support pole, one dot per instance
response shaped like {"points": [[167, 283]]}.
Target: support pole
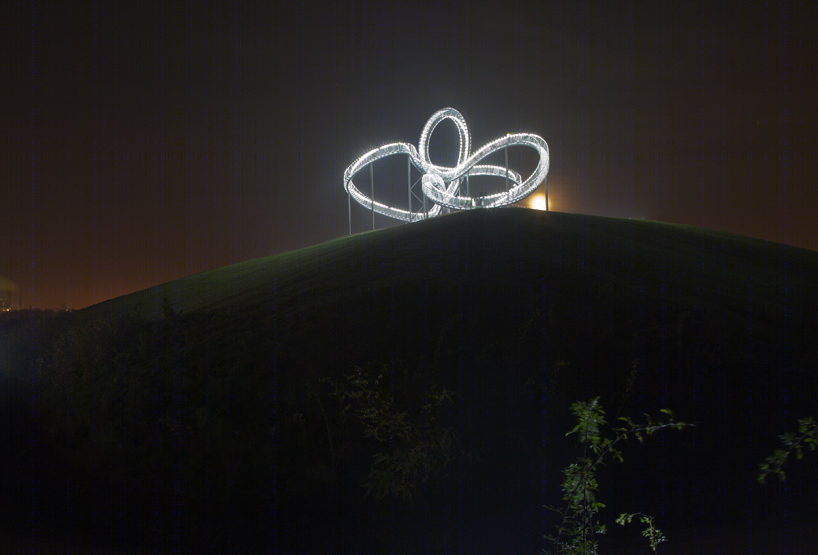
{"points": [[409, 183], [546, 193], [506, 167], [372, 192], [425, 209], [349, 211]]}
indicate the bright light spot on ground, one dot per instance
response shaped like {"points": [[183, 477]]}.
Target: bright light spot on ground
{"points": [[538, 202]]}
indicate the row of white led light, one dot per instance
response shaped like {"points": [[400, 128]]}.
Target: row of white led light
{"points": [[441, 184]]}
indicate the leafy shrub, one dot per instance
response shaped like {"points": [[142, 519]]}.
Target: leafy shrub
{"points": [[410, 447], [807, 435], [576, 534]]}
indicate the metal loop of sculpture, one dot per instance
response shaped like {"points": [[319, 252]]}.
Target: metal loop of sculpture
{"points": [[442, 184]]}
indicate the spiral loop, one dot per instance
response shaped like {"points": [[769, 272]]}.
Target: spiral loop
{"points": [[441, 184]]}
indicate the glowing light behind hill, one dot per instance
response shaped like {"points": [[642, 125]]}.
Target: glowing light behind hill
{"points": [[538, 202]]}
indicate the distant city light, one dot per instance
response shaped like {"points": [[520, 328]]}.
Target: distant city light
{"points": [[443, 186]]}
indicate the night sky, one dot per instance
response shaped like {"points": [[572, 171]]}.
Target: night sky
{"points": [[145, 143]]}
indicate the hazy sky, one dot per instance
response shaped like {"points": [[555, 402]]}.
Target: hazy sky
{"points": [[146, 143]]}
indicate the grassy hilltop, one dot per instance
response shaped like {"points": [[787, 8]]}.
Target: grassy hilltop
{"points": [[431, 365]]}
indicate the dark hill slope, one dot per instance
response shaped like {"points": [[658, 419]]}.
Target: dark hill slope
{"points": [[618, 257], [224, 386]]}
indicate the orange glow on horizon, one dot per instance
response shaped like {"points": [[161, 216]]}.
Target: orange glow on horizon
{"points": [[538, 202]]}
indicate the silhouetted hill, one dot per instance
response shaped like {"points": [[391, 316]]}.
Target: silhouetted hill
{"points": [[235, 391]]}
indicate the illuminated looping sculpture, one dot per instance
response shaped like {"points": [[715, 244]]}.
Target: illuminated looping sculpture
{"points": [[442, 184]]}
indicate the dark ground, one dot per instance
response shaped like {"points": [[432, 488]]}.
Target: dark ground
{"points": [[518, 313]]}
